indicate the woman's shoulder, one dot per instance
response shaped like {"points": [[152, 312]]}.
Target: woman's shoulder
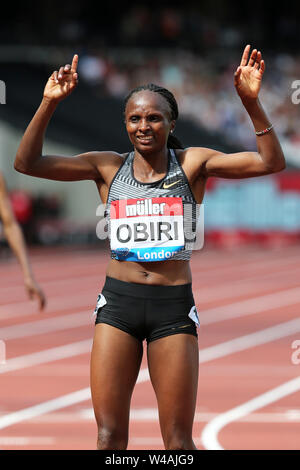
{"points": [[106, 162], [196, 151], [105, 157], [193, 159], [195, 154]]}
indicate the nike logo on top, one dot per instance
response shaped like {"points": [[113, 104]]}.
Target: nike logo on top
{"points": [[166, 186]]}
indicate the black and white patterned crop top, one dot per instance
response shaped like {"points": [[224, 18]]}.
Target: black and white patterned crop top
{"points": [[151, 221]]}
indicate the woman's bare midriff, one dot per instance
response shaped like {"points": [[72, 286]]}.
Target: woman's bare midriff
{"points": [[168, 273]]}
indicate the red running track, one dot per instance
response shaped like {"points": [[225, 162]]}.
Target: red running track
{"points": [[248, 300]]}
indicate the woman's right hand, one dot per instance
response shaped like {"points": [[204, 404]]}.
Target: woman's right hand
{"points": [[34, 291], [62, 82]]}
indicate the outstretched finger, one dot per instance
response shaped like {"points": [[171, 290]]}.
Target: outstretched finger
{"points": [[245, 55], [60, 72], [257, 61], [252, 57], [262, 66], [74, 63]]}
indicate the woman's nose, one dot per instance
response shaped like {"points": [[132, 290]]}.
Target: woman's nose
{"points": [[144, 124]]}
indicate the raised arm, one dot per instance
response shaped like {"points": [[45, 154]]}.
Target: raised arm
{"points": [[269, 157], [29, 158], [15, 238]]}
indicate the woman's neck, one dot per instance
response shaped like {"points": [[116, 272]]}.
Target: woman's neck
{"points": [[148, 165]]}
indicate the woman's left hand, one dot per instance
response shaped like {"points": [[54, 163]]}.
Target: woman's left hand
{"points": [[248, 76]]}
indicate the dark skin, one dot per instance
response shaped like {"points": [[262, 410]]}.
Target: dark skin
{"points": [[148, 123], [16, 241]]}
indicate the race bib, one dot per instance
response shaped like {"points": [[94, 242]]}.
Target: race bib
{"points": [[146, 229]]}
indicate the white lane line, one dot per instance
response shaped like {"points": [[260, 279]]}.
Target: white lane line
{"points": [[211, 430], [243, 266], [251, 306], [211, 315], [210, 353], [26, 441], [246, 286], [55, 404], [55, 304], [45, 407], [65, 283], [38, 327], [23, 308], [151, 415], [205, 355], [257, 338], [238, 309], [249, 285], [151, 441], [59, 298], [57, 262], [265, 263], [47, 355], [43, 261]]}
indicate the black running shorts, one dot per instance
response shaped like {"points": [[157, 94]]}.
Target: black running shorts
{"points": [[147, 311]]}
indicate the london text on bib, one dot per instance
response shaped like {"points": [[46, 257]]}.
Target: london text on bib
{"points": [[146, 229]]}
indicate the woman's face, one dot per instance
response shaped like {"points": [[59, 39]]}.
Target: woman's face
{"points": [[148, 121]]}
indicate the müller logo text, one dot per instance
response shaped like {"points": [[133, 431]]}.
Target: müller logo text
{"points": [[145, 207]]}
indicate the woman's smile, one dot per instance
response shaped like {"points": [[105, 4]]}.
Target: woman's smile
{"points": [[145, 139]]}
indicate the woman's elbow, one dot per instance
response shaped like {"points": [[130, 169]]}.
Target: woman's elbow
{"points": [[20, 167], [281, 165], [279, 168]]}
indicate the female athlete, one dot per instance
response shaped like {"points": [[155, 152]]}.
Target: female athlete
{"points": [[147, 292]]}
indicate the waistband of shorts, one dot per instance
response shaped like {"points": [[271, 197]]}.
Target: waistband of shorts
{"points": [[135, 289]]}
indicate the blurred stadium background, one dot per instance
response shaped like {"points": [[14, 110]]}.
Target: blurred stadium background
{"points": [[192, 49], [248, 297]]}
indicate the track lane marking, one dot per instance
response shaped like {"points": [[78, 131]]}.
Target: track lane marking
{"points": [[252, 306], [241, 343], [55, 404], [47, 355], [212, 315], [23, 308], [221, 350], [210, 353], [151, 415], [210, 432]]}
